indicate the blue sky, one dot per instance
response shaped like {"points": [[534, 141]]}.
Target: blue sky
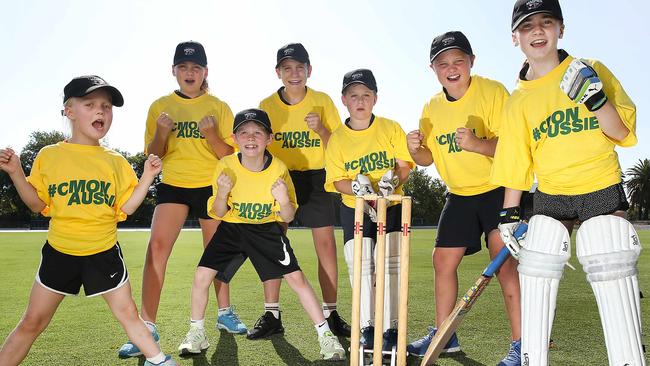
{"points": [[131, 44]]}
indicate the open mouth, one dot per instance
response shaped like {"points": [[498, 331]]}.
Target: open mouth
{"points": [[538, 43], [98, 124], [295, 82], [250, 146], [455, 77], [190, 81]]}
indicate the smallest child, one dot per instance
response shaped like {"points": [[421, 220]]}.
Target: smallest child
{"points": [[252, 194]]}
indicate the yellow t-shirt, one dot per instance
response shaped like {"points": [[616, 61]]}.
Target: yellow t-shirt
{"points": [[547, 135], [83, 188], [250, 200], [299, 147], [371, 152], [465, 173], [189, 160]]}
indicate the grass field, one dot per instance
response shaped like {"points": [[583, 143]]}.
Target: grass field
{"points": [[83, 332]]}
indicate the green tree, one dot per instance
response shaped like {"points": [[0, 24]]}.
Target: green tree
{"points": [[428, 195], [142, 216], [13, 211], [638, 187]]}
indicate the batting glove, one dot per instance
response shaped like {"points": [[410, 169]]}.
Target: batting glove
{"points": [[362, 186], [388, 183], [508, 224], [582, 85]]}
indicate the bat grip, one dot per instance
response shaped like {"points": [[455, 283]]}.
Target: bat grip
{"points": [[503, 254]]}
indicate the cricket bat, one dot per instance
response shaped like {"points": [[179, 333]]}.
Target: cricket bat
{"points": [[464, 305]]}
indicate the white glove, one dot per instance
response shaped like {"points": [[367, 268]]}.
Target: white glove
{"points": [[388, 183], [509, 223], [360, 187], [582, 85]]}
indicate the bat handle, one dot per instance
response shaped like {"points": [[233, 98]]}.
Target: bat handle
{"points": [[503, 254]]}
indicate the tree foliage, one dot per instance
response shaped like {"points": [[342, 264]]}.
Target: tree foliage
{"points": [[638, 187], [428, 195]]}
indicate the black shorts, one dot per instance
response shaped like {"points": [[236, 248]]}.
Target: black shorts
{"points": [[582, 206], [194, 198], [265, 244], [98, 273], [465, 218], [315, 205], [393, 222]]}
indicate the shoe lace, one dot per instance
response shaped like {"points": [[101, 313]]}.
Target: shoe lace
{"points": [[329, 340], [194, 335], [429, 336], [262, 320], [233, 315]]}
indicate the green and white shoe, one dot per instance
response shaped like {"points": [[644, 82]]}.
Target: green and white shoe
{"points": [[195, 341], [330, 348]]}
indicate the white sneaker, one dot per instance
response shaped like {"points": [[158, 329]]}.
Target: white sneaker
{"points": [[330, 348], [195, 341]]}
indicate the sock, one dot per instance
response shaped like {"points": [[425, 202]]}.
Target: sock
{"points": [[322, 328], [151, 326], [273, 307], [328, 307], [223, 311], [197, 323], [157, 359]]}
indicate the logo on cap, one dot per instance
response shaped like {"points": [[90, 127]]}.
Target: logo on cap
{"points": [[533, 4], [288, 51], [447, 41], [188, 51], [250, 115], [356, 76], [96, 80]]}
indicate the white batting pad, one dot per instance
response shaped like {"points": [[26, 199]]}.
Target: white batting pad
{"points": [[541, 264], [608, 248], [391, 284], [367, 312]]}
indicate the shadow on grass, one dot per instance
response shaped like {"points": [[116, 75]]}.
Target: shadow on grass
{"points": [[460, 357], [225, 352]]}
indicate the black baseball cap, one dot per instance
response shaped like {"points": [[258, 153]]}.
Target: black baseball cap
{"points": [[84, 85], [447, 41], [295, 51], [525, 8], [255, 115], [360, 76], [190, 51]]}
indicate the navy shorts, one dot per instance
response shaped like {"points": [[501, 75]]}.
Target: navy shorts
{"points": [[315, 205], [464, 219], [98, 273], [194, 198], [582, 206], [393, 222], [266, 245]]}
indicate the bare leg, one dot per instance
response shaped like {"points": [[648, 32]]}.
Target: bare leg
{"points": [[42, 306], [168, 219], [298, 283], [509, 281], [221, 290], [445, 264], [200, 289], [121, 303], [325, 245]]}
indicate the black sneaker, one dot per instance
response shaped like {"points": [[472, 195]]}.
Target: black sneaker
{"points": [[337, 325], [265, 326], [367, 339], [389, 339]]}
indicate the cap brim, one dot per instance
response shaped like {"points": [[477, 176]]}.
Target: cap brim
{"points": [[357, 82], [447, 49], [514, 26], [291, 57], [116, 96], [183, 59], [267, 128]]}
